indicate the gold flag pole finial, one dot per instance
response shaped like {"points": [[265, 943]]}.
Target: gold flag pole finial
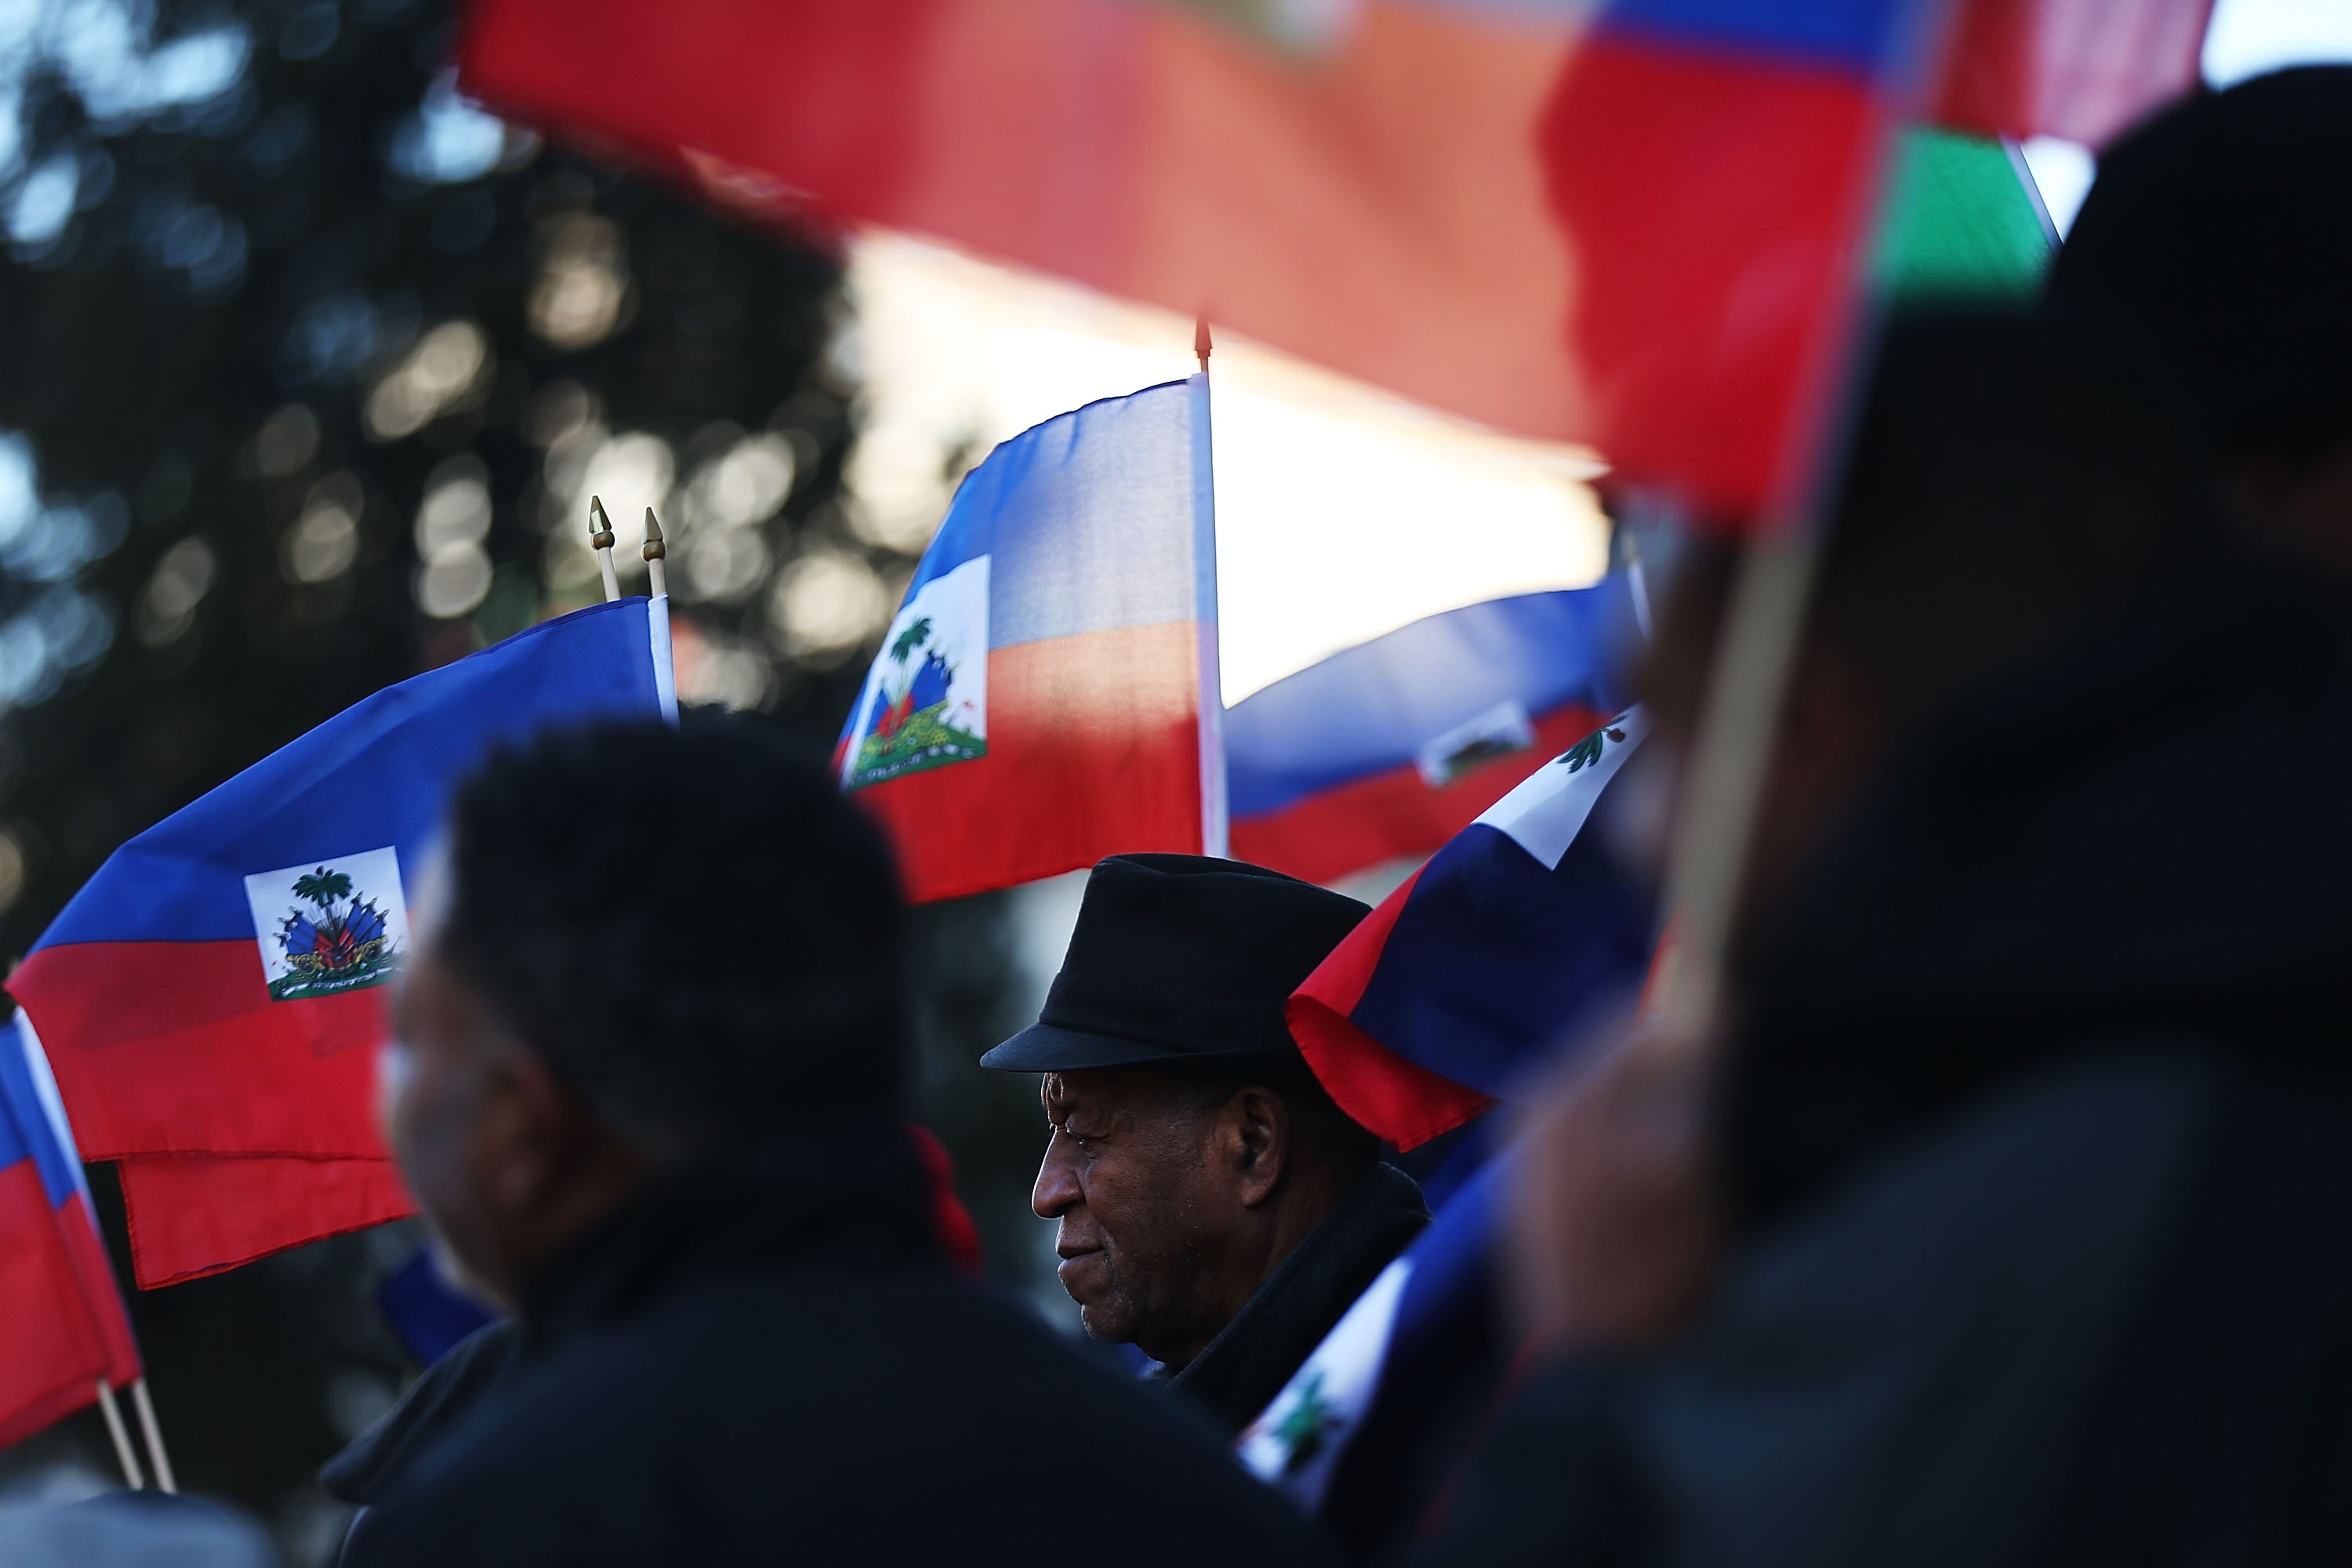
{"points": [[654, 551], [600, 539]]}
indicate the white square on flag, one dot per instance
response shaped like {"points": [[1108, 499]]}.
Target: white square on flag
{"points": [[331, 925], [925, 700]]}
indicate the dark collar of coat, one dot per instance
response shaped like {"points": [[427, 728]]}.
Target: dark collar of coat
{"points": [[1252, 1357]]}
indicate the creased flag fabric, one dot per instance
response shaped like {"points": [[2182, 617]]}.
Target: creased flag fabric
{"points": [[1628, 224], [1039, 701], [1436, 1005], [65, 1322], [2084, 69], [212, 996], [1391, 747]]}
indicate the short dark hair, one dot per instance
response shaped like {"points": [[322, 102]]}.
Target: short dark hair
{"points": [[2008, 478], [2220, 232], [702, 937]]}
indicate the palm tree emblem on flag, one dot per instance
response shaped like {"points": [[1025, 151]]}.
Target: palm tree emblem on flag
{"points": [[925, 703], [331, 926], [343, 949]]}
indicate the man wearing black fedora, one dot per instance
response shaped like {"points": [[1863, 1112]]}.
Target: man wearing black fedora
{"points": [[1217, 1210]]}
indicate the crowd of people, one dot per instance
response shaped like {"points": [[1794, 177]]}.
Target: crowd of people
{"points": [[2003, 1213]]}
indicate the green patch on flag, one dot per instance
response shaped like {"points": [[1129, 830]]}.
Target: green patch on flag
{"points": [[1960, 224], [925, 740]]}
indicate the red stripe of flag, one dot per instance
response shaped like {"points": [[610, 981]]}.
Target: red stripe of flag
{"points": [[53, 1356], [1394, 812], [196, 1057], [1093, 748], [194, 1214], [1402, 1102]]}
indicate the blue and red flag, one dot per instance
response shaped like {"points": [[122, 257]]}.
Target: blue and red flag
{"points": [[211, 998], [1349, 1435], [1632, 224], [1392, 747], [66, 1326], [1047, 693], [1440, 1003]]}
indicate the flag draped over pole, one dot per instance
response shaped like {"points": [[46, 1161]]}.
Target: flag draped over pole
{"points": [[1462, 981], [66, 1326], [1391, 747], [210, 1000], [1046, 694]]}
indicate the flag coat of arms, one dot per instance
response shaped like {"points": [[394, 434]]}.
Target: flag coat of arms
{"points": [[1047, 694], [1393, 746], [210, 1000]]}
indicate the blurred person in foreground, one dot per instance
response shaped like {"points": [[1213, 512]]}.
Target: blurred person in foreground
{"points": [[2009, 1221], [1217, 1211], [2220, 233], [648, 1085]]}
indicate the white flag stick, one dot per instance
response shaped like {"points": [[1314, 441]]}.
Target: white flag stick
{"points": [[1730, 753], [115, 1429], [600, 540], [655, 550], [1215, 825], [153, 1433]]}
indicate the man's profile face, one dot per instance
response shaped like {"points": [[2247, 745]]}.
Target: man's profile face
{"points": [[1132, 1173]]}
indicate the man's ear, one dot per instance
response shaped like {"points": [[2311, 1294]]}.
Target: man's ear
{"points": [[527, 1128], [549, 1166], [1259, 1124]]}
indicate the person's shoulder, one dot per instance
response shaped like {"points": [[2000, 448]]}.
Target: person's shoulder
{"points": [[799, 1408], [448, 1393]]}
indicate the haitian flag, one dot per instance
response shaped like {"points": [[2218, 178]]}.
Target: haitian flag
{"points": [[1630, 223], [211, 999], [1345, 1438], [1395, 745], [1047, 694], [1436, 1006], [66, 1328]]}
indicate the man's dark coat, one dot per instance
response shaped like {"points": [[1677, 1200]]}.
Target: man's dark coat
{"points": [[1241, 1370], [768, 1363]]}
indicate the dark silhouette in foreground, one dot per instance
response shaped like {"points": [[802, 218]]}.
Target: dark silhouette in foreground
{"points": [[673, 1140], [2022, 1183]]}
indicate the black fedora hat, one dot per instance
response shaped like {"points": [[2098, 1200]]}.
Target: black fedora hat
{"points": [[1181, 960]]}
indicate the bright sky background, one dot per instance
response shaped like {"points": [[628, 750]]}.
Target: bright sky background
{"points": [[1342, 512], [2245, 38]]}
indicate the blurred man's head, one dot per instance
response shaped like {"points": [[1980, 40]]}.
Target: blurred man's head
{"points": [[1190, 1149], [645, 947], [2009, 480], [2219, 235]]}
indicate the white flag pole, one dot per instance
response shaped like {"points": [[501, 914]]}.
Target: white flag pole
{"points": [[657, 618], [1731, 749], [600, 540], [1216, 836], [153, 1433], [655, 549], [115, 1429]]}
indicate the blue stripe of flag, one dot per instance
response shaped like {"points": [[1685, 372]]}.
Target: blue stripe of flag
{"points": [[1088, 521]]}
